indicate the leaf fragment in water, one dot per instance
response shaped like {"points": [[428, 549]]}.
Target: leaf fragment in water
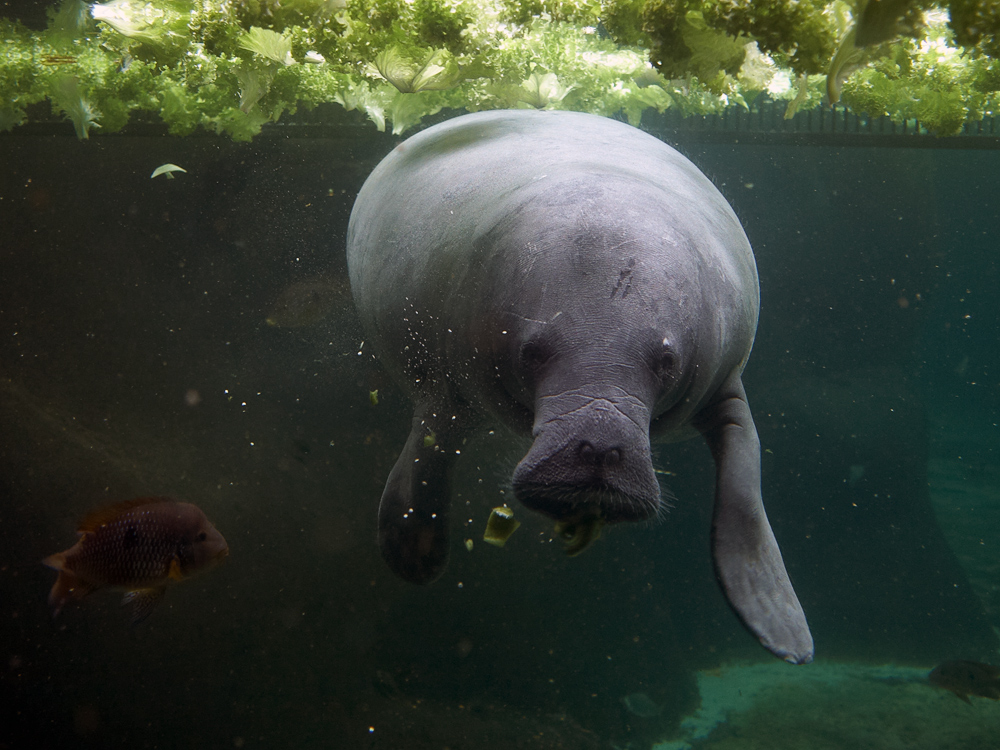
{"points": [[166, 169]]}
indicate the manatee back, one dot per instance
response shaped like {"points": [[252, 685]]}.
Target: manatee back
{"points": [[411, 234]]}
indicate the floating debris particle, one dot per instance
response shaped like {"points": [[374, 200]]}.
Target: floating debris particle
{"points": [[500, 526]]}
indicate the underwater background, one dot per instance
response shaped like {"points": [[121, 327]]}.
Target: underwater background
{"points": [[195, 337]]}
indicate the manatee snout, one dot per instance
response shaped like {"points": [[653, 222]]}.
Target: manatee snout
{"points": [[589, 463]]}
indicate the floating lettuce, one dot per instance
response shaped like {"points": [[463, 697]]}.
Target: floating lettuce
{"points": [[161, 24], [415, 70], [542, 89], [268, 44], [68, 22], [66, 96], [932, 82], [232, 67]]}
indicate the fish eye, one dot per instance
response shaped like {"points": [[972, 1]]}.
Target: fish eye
{"points": [[202, 536]]}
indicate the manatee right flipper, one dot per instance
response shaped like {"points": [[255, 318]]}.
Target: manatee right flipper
{"points": [[413, 513], [747, 560]]}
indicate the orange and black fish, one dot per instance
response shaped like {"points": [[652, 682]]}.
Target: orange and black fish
{"points": [[138, 546], [965, 678]]}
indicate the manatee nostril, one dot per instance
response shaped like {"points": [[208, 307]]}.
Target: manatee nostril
{"points": [[591, 455]]}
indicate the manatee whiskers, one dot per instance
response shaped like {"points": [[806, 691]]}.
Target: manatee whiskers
{"points": [[508, 456], [665, 504], [568, 503], [626, 507]]}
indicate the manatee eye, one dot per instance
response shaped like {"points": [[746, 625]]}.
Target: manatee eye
{"points": [[665, 364], [202, 537], [533, 355]]}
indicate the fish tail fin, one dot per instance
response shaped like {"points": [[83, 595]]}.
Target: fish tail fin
{"points": [[67, 586]]}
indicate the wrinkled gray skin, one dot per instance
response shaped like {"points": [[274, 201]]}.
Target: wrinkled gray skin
{"points": [[578, 280]]}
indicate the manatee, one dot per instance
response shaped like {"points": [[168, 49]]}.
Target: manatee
{"points": [[579, 281]]}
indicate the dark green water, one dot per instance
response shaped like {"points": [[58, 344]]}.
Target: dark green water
{"points": [[135, 359]]}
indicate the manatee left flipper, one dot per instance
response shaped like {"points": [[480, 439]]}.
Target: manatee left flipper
{"points": [[413, 513], [747, 560]]}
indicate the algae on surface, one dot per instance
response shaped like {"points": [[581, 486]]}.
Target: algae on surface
{"points": [[231, 68]]}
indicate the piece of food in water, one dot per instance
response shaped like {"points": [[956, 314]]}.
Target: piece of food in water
{"points": [[303, 303], [578, 535], [137, 546], [168, 170], [965, 678], [500, 526]]}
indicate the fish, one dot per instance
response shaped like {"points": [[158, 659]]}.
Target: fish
{"points": [[138, 546], [965, 678]]}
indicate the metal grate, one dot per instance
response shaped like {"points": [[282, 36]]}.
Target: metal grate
{"points": [[766, 123]]}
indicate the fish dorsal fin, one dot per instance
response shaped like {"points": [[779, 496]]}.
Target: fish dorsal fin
{"points": [[108, 513], [142, 601]]}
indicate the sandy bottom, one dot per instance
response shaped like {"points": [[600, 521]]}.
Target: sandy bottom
{"points": [[832, 705]]}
